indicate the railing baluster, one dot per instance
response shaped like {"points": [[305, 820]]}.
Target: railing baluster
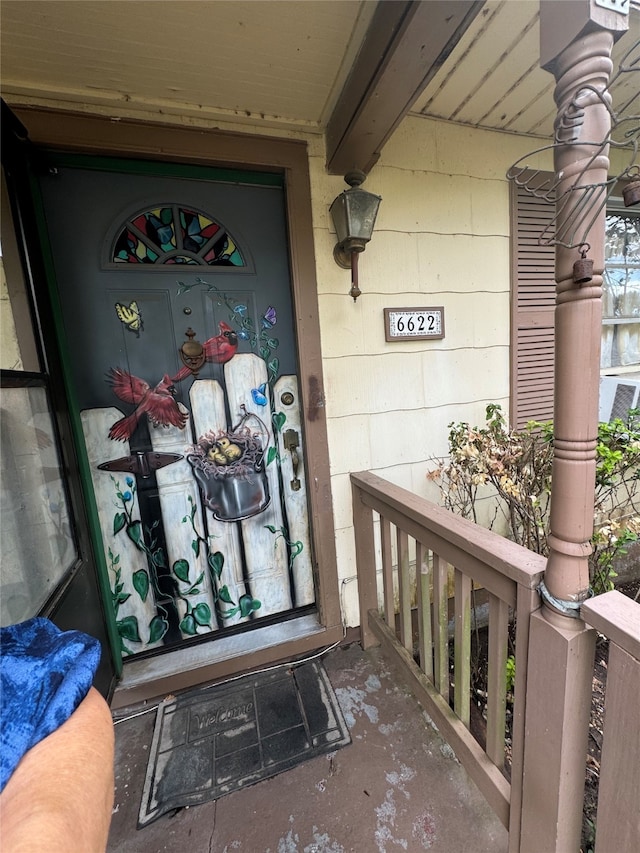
{"points": [[366, 566], [387, 573], [441, 617], [404, 590], [462, 647], [528, 600], [423, 600], [497, 681]]}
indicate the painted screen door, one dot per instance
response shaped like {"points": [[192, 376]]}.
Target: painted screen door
{"points": [[175, 299]]}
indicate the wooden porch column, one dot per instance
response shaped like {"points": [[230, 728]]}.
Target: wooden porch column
{"points": [[575, 46]]}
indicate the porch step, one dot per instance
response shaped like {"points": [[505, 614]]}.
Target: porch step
{"points": [[153, 678]]}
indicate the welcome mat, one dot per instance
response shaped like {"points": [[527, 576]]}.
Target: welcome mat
{"points": [[212, 741]]}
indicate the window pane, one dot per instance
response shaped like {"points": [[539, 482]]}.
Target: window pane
{"points": [[621, 292], [37, 546], [17, 342]]}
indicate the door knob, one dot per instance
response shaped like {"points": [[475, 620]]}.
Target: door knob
{"points": [[291, 443], [192, 352]]}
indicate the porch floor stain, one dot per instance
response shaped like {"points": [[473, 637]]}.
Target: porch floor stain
{"points": [[396, 787]]}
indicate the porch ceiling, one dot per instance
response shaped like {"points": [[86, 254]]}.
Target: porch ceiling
{"points": [[279, 63]]}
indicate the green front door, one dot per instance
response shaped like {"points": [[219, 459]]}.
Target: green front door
{"points": [[177, 323]]}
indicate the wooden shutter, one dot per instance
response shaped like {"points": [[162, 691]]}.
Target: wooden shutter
{"points": [[533, 297]]}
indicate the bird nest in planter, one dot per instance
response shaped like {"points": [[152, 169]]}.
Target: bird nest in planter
{"points": [[219, 455], [229, 467]]}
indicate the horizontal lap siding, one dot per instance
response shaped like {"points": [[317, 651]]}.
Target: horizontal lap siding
{"points": [[532, 308]]}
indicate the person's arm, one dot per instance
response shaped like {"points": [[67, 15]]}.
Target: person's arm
{"points": [[60, 796]]}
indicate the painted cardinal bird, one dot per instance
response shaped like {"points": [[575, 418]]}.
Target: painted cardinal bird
{"points": [[157, 403], [218, 350]]}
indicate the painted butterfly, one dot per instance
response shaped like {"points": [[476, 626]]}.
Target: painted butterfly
{"points": [[259, 397], [269, 319], [130, 317]]}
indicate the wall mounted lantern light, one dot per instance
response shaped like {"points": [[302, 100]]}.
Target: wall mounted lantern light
{"points": [[354, 214]]}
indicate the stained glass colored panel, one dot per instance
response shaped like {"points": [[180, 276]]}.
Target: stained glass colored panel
{"points": [[181, 259], [224, 252], [197, 230], [129, 249], [159, 227], [204, 241]]}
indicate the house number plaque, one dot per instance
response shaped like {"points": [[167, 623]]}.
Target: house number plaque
{"points": [[413, 324]]}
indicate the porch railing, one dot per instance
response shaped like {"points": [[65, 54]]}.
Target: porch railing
{"points": [[618, 817], [441, 542]]}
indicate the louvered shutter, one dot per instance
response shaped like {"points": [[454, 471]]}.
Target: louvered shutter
{"points": [[532, 308]]}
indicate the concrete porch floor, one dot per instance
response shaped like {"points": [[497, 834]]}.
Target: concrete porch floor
{"points": [[397, 786]]}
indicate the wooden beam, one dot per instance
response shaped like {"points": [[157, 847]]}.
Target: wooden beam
{"points": [[405, 45]]}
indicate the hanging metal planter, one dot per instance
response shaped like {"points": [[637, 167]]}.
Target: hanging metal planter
{"points": [[230, 470]]}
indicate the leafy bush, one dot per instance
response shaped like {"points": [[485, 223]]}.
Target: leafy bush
{"points": [[512, 469]]}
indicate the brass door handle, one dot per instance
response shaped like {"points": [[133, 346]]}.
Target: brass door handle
{"points": [[291, 443]]}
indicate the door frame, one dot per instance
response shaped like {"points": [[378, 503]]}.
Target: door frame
{"points": [[82, 586], [100, 136]]}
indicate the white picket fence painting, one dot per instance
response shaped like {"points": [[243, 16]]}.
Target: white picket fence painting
{"points": [[223, 573]]}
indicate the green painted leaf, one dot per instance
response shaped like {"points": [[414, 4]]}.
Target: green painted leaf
{"points": [[188, 625], [193, 591], [271, 454], [195, 545], [181, 570], [140, 580], [227, 614], [216, 562], [134, 532], [158, 627], [279, 419], [225, 595], [128, 628], [158, 558], [119, 521], [274, 366], [265, 352], [199, 579], [122, 597], [202, 614], [248, 604]]}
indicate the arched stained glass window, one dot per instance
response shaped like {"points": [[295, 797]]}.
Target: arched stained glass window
{"points": [[170, 234]]}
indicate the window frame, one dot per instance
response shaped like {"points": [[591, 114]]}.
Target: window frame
{"points": [[616, 207]]}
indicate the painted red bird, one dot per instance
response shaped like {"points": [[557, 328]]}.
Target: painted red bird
{"points": [[218, 350], [157, 403]]}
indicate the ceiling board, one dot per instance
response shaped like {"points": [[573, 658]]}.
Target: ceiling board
{"points": [[281, 59], [276, 63]]}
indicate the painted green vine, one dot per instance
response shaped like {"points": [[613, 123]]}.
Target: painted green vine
{"points": [[215, 563], [197, 615]]}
